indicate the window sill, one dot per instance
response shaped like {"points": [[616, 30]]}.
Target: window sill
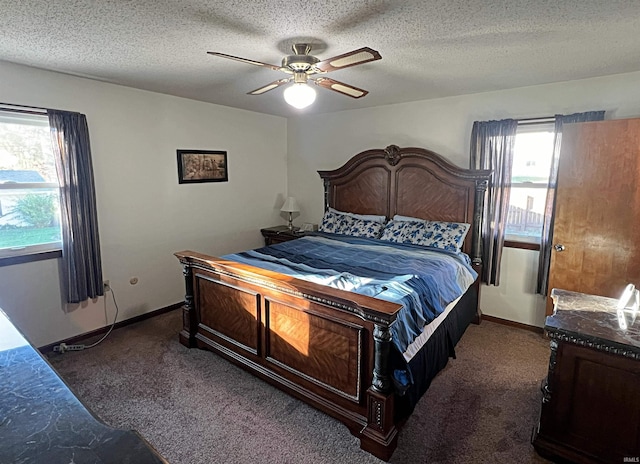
{"points": [[522, 245], [8, 261]]}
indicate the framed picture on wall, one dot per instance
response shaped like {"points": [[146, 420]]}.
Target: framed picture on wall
{"points": [[196, 166]]}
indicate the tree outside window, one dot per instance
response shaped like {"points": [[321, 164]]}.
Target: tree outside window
{"points": [[29, 202]]}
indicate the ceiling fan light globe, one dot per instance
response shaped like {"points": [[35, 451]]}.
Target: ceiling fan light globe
{"points": [[299, 95]]}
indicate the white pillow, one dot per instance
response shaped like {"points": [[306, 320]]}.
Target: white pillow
{"points": [[397, 217], [366, 217]]}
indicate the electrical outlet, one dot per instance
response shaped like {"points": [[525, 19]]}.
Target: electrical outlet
{"points": [[107, 286]]}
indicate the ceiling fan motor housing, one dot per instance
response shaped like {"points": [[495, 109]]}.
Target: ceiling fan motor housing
{"points": [[299, 63]]}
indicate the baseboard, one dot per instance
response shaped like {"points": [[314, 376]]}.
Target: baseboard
{"points": [[518, 325], [78, 338]]}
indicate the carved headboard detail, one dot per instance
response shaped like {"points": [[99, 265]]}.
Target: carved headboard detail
{"points": [[411, 182]]}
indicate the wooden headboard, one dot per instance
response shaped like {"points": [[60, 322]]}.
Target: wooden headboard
{"points": [[411, 182]]}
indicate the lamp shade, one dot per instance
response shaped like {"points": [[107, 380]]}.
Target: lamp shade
{"points": [[299, 95], [290, 205]]}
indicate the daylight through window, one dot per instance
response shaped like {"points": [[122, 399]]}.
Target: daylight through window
{"points": [[29, 189], [529, 182]]}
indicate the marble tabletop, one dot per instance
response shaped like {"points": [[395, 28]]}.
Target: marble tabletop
{"points": [[42, 421], [594, 321]]}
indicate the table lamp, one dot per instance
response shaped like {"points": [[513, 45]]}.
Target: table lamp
{"points": [[290, 206]]}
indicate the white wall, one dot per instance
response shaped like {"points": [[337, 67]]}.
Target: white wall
{"points": [[444, 125], [144, 215]]}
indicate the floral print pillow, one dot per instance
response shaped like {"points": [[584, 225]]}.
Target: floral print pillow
{"points": [[444, 235], [336, 223], [366, 228], [398, 231]]}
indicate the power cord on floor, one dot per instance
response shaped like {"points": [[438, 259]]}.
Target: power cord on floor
{"points": [[63, 347]]}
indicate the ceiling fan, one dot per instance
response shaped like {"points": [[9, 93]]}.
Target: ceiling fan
{"points": [[302, 66]]}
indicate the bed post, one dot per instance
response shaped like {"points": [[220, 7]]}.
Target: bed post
{"points": [[478, 216], [189, 323], [476, 247], [327, 193], [380, 436]]}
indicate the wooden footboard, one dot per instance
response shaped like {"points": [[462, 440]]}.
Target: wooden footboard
{"points": [[328, 347]]}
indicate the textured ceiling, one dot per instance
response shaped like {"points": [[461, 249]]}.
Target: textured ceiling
{"points": [[429, 48]]}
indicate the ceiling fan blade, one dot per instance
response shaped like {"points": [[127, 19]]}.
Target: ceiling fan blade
{"points": [[362, 55], [266, 88], [340, 87], [245, 60]]}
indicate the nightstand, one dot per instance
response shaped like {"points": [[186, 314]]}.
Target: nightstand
{"points": [[279, 234]]}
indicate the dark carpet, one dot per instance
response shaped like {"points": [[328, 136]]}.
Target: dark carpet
{"points": [[195, 407]]}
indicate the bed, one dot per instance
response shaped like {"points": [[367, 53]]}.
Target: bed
{"points": [[329, 347]]}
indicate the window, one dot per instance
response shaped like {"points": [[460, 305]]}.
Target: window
{"points": [[29, 189], [529, 182]]}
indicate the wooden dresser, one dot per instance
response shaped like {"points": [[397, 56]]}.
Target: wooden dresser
{"points": [[591, 396]]}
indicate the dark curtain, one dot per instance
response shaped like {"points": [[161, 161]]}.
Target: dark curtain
{"points": [[547, 228], [492, 146], [82, 266]]}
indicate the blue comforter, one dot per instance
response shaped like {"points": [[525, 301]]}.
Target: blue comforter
{"points": [[423, 280]]}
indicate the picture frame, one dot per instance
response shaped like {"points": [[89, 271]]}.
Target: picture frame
{"points": [[197, 166]]}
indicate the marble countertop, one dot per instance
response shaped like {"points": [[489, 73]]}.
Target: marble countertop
{"points": [[42, 421], [594, 321]]}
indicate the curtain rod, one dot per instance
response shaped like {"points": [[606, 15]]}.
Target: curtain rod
{"points": [[541, 120], [19, 108], [28, 109], [14, 110]]}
